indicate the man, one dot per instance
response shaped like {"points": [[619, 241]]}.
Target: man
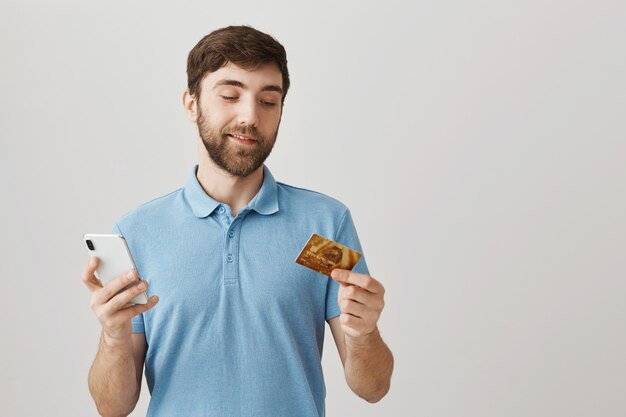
{"points": [[239, 327]]}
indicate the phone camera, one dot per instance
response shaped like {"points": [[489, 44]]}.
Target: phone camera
{"points": [[89, 244]]}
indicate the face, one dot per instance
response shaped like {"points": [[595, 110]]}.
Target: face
{"points": [[238, 115]]}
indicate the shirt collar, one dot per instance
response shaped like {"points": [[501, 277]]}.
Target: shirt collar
{"points": [[264, 202]]}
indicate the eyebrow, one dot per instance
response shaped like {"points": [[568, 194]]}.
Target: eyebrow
{"points": [[239, 84]]}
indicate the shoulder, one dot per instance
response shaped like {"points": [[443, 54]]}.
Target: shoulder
{"points": [[154, 210], [312, 200]]}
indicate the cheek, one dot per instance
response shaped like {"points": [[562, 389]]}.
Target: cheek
{"points": [[272, 122], [218, 114]]}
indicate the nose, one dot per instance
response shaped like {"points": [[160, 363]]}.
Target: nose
{"points": [[248, 113]]}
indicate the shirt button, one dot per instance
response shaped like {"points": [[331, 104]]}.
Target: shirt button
{"points": [[229, 258], [222, 209], [231, 233]]}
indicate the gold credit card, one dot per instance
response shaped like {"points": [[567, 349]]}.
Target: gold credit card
{"points": [[324, 255]]}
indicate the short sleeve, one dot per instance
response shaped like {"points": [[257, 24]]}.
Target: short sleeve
{"points": [[138, 325], [137, 321], [346, 235]]}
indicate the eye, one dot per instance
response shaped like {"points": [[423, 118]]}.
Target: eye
{"points": [[229, 98], [268, 103]]}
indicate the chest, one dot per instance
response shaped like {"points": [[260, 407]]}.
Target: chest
{"points": [[247, 275]]}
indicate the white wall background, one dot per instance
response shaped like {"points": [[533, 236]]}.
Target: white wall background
{"points": [[480, 145]]}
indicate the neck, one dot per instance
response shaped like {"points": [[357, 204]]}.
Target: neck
{"points": [[228, 189]]}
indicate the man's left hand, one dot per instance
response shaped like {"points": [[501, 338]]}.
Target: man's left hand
{"points": [[361, 301]]}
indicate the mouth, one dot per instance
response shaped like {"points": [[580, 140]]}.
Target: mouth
{"points": [[246, 140]]}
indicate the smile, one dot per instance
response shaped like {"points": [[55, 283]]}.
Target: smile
{"points": [[245, 140], [242, 137]]}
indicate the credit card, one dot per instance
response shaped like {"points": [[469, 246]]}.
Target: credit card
{"points": [[323, 255]]}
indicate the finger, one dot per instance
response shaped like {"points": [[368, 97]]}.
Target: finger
{"points": [[358, 294], [115, 285], [351, 321], [364, 281], [356, 324], [130, 312], [121, 300], [352, 307], [88, 276]]}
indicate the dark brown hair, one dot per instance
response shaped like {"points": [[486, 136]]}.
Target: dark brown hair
{"points": [[244, 46]]}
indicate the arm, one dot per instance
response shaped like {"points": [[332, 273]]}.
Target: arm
{"points": [[115, 376], [367, 361]]}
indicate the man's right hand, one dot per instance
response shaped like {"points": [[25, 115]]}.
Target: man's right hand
{"points": [[111, 307]]}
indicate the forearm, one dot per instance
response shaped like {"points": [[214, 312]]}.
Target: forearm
{"points": [[112, 379], [368, 367]]}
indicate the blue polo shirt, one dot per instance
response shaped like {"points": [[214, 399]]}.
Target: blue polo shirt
{"points": [[239, 327]]}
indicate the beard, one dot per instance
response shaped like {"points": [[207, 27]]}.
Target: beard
{"points": [[237, 160]]}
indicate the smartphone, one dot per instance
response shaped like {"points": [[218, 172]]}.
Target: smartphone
{"points": [[115, 259]]}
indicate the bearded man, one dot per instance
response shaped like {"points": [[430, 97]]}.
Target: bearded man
{"points": [[239, 326]]}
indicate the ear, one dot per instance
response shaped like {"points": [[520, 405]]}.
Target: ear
{"points": [[191, 106]]}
